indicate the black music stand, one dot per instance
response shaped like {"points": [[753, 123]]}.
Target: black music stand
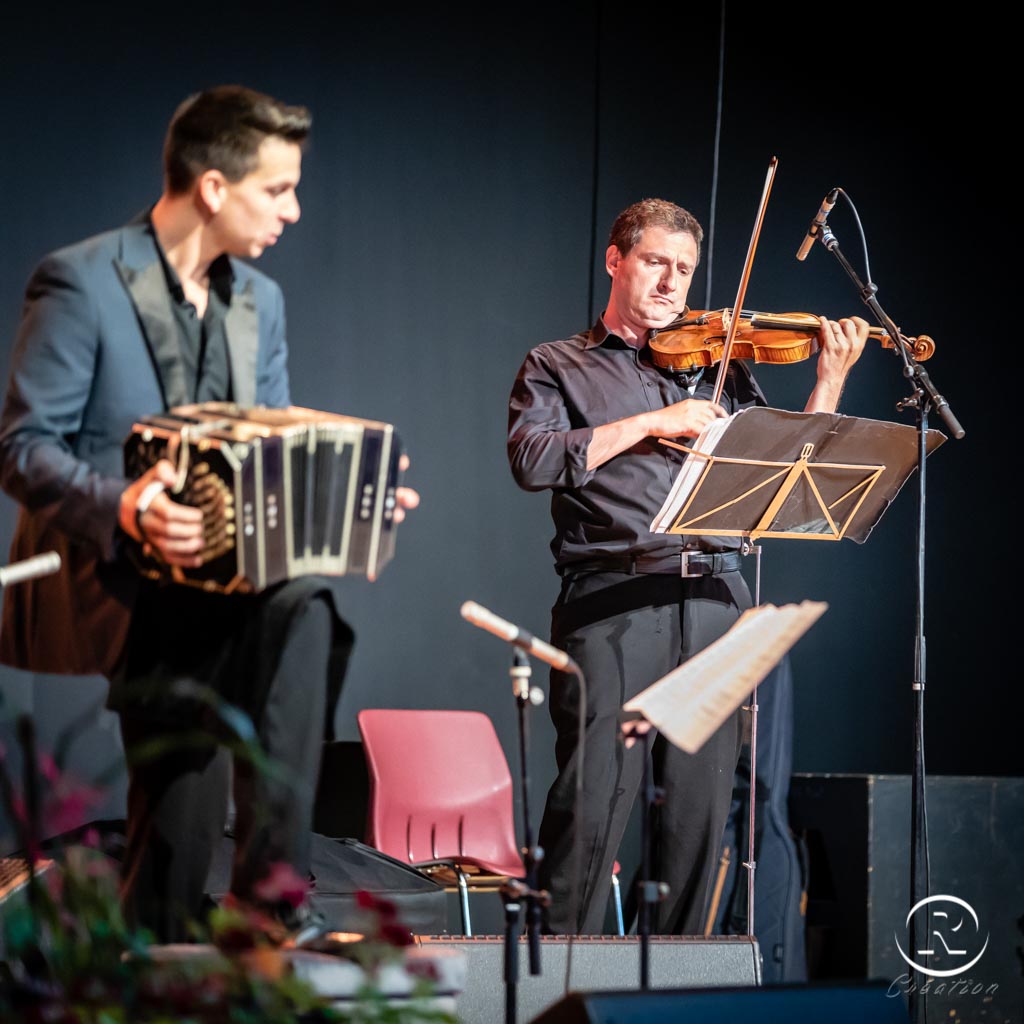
{"points": [[691, 702], [805, 476], [766, 472]]}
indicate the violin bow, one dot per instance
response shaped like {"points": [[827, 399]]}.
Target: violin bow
{"points": [[734, 318]]}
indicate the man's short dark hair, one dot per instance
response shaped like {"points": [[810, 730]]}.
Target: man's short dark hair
{"points": [[630, 225], [222, 129]]}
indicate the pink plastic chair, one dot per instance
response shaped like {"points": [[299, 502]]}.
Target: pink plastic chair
{"points": [[441, 797]]}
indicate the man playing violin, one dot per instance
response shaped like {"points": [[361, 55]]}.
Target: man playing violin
{"points": [[585, 416]]}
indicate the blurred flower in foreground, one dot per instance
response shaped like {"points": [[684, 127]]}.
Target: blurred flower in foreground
{"points": [[69, 956]]}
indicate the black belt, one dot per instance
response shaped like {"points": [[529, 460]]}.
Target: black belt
{"points": [[686, 564]]}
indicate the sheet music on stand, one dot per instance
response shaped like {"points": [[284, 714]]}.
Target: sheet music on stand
{"points": [[689, 476], [689, 703], [766, 472]]}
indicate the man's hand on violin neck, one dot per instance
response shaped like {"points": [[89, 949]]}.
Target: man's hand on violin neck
{"points": [[841, 343], [683, 419]]}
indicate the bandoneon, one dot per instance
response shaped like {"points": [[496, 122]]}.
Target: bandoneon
{"points": [[284, 492]]}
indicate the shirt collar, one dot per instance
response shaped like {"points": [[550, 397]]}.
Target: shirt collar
{"points": [[222, 274], [600, 333], [222, 277], [596, 335]]}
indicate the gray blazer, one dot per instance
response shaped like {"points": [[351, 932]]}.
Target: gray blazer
{"points": [[96, 350]]}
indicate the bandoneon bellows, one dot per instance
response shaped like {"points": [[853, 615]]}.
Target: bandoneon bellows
{"points": [[284, 492]]}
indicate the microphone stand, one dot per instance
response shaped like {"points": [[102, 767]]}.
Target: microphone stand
{"points": [[923, 397], [650, 892], [514, 892]]}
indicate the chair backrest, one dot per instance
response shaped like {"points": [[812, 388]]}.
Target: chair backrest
{"points": [[440, 788]]}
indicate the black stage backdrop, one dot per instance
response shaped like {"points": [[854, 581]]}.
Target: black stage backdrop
{"points": [[464, 171]]}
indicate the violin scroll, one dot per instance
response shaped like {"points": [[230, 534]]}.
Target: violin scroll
{"points": [[922, 347]]}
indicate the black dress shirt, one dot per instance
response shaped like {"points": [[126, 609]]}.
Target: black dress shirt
{"points": [[203, 341], [564, 390]]}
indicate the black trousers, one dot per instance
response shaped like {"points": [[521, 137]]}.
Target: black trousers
{"points": [[195, 660], [625, 632]]}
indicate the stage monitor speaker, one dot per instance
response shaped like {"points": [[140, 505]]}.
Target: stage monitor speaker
{"points": [[596, 962], [343, 867], [340, 867], [776, 1004], [856, 830], [106, 836]]}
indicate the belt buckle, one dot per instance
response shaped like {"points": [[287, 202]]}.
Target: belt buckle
{"points": [[684, 565]]}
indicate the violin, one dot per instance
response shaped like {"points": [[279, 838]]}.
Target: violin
{"points": [[698, 337]]}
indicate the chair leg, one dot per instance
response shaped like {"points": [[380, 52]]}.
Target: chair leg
{"points": [[467, 925], [620, 927]]}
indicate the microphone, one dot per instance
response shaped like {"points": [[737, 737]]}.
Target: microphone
{"points": [[480, 616], [30, 568], [817, 224]]}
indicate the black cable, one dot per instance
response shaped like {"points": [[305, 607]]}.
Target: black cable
{"points": [[714, 162], [595, 164], [591, 315]]}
